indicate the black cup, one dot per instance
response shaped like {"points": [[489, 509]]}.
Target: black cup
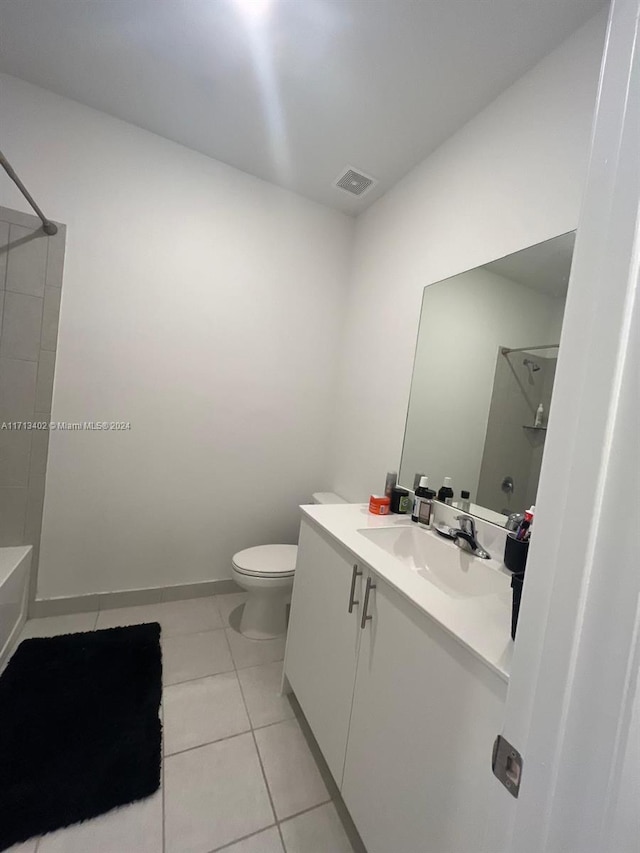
{"points": [[515, 554]]}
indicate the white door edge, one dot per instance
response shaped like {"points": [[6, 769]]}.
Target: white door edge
{"points": [[572, 708]]}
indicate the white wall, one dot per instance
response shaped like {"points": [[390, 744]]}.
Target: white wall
{"points": [[200, 304], [511, 177], [463, 323]]}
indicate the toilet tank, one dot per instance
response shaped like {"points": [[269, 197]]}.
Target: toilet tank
{"points": [[327, 498]]}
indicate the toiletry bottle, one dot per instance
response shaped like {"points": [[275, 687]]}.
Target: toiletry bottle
{"points": [[400, 500], [422, 505], [525, 524], [465, 503], [416, 480], [539, 415], [445, 493], [390, 483]]}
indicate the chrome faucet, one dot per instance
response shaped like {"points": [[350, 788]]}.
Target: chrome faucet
{"points": [[465, 537]]}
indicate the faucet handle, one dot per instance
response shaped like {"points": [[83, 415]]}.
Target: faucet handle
{"points": [[467, 533], [467, 524]]}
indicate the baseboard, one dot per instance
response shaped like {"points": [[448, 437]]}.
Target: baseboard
{"points": [[128, 598]]}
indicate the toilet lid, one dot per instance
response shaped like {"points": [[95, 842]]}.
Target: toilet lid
{"points": [[269, 560]]}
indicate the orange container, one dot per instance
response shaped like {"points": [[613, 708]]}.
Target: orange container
{"points": [[379, 504]]}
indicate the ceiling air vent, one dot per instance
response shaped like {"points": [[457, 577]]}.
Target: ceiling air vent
{"points": [[354, 182]]}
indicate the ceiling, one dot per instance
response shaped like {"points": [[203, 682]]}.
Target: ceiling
{"points": [[297, 95], [544, 267]]}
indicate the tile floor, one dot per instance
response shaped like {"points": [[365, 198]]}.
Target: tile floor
{"points": [[240, 770]]}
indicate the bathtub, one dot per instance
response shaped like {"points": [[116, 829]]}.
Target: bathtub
{"points": [[15, 566]]}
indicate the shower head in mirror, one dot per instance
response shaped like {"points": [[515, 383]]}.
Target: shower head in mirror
{"points": [[531, 364]]}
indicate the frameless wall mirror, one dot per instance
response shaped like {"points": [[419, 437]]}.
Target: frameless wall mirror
{"points": [[483, 378]]}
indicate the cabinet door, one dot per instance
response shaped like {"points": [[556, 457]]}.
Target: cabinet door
{"points": [[322, 641], [425, 715]]}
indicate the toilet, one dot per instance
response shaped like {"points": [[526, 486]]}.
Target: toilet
{"points": [[266, 573]]}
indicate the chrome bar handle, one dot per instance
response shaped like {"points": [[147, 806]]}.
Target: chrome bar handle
{"points": [[368, 589], [356, 574]]}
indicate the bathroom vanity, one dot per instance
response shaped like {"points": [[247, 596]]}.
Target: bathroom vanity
{"points": [[398, 652], [399, 644]]}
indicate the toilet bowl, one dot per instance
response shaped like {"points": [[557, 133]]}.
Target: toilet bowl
{"points": [[266, 572]]}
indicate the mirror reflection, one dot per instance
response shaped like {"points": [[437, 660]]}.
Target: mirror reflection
{"points": [[483, 379]]}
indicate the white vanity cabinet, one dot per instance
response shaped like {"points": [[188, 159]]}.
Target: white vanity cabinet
{"points": [[404, 714], [323, 639], [425, 715]]}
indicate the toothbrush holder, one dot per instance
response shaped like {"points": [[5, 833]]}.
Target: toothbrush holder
{"points": [[515, 554]]}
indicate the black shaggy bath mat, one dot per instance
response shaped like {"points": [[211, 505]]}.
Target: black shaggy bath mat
{"points": [[79, 728]]}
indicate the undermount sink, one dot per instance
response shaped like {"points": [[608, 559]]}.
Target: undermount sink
{"points": [[455, 572]]}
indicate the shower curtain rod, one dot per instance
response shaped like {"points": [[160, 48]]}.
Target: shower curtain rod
{"points": [[507, 350], [48, 226]]}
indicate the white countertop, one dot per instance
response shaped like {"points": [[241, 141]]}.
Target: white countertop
{"points": [[481, 623]]}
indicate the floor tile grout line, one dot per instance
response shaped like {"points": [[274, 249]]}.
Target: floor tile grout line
{"points": [[235, 667], [152, 618], [167, 636], [207, 630], [275, 723], [100, 610], [229, 649], [251, 665], [235, 672], [251, 728], [251, 731], [192, 633], [289, 817], [257, 749], [281, 836], [305, 811], [206, 743], [198, 678], [244, 838], [255, 665], [264, 776], [229, 737], [218, 611], [276, 825]]}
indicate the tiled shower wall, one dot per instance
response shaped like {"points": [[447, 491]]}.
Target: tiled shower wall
{"points": [[30, 287]]}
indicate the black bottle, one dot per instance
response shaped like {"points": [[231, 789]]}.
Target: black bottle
{"points": [[421, 512], [445, 493]]}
